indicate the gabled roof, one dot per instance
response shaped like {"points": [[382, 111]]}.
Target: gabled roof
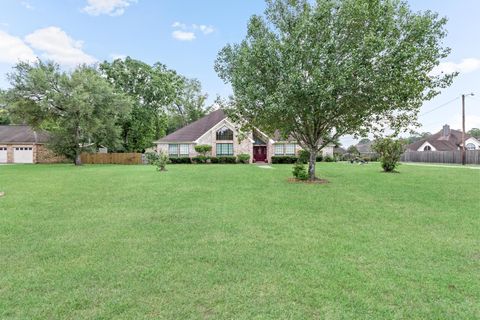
{"points": [[365, 147], [441, 143], [196, 129], [21, 134]]}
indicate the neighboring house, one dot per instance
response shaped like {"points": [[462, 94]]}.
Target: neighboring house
{"points": [[445, 140], [217, 130], [365, 148], [339, 150], [21, 144]]}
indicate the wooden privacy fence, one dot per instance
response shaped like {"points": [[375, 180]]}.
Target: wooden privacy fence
{"points": [[112, 158], [471, 156]]}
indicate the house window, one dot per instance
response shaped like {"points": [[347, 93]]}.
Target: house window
{"points": [[178, 150], [224, 134], [470, 146], [290, 149], [427, 148], [224, 149], [282, 149], [279, 149]]}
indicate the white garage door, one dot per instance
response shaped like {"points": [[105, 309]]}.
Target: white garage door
{"points": [[3, 154], [23, 155]]}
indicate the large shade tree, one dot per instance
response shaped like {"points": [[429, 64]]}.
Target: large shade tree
{"points": [[79, 109], [320, 70], [189, 105], [152, 88]]}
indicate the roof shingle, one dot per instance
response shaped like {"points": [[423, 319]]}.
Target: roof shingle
{"points": [[441, 143], [196, 129], [21, 134]]}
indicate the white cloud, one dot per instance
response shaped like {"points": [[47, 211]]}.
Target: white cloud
{"points": [[14, 49], [466, 66], [55, 44], [183, 35], [179, 25], [204, 28], [185, 32], [109, 7], [27, 5]]}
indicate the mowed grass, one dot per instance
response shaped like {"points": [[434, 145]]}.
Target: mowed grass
{"points": [[238, 242]]}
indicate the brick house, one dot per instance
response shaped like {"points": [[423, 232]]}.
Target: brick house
{"points": [[217, 130], [22, 144]]}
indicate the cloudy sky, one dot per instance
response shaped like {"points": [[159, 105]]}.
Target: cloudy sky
{"points": [[187, 34]]}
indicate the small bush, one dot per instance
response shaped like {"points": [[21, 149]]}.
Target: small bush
{"points": [[319, 158], [213, 160], [243, 158], [151, 157], [284, 159], [299, 171], [160, 160], [200, 159], [175, 160], [390, 151], [329, 159]]}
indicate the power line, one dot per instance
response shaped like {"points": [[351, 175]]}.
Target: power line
{"points": [[440, 106]]}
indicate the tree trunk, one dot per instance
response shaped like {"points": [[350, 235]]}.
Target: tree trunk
{"points": [[311, 164], [78, 159]]}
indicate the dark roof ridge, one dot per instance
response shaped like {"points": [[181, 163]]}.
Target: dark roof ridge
{"points": [[196, 129]]}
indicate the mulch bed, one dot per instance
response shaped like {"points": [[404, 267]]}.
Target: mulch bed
{"points": [[316, 181]]}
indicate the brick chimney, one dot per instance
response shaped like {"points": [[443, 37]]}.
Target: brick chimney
{"points": [[446, 130]]}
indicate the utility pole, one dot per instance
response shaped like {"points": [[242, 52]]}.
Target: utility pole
{"points": [[464, 160]]}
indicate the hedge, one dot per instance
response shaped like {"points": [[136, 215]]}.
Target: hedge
{"points": [[284, 159], [175, 160], [223, 159]]}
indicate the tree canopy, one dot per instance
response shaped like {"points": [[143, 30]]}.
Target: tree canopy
{"points": [[79, 109], [189, 106], [152, 89], [474, 132], [163, 100], [317, 71]]}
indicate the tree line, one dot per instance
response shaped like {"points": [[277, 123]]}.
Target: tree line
{"points": [[124, 105]]}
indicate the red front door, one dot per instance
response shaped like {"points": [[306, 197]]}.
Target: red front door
{"points": [[260, 153]]}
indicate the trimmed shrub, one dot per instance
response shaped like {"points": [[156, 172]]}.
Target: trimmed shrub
{"points": [[284, 159], [203, 149], [200, 159], [243, 158], [319, 158], [179, 160], [227, 159], [213, 160], [299, 171]]}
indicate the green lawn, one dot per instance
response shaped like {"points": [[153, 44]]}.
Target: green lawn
{"points": [[238, 242]]}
